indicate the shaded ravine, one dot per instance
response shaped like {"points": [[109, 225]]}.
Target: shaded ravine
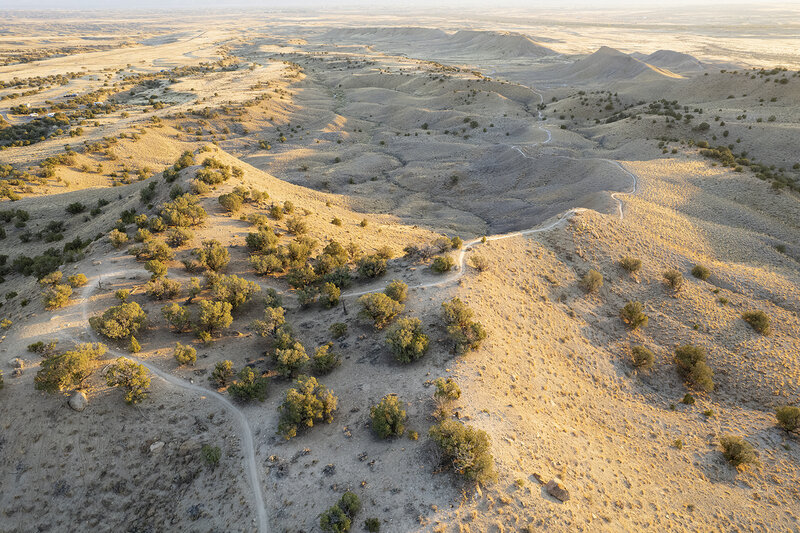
{"points": [[248, 446]]}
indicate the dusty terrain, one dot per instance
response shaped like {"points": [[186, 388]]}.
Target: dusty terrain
{"points": [[567, 141]]}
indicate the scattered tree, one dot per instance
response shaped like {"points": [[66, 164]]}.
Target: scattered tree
{"points": [[379, 308], [213, 255], [119, 321], [633, 315], [388, 417], [442, 264], [325, 360], [307, 402], [222, 374], [467, 449], [176, 316], [290, 360], [674, 279], [788, 418], [131, 376], [407, 340], [396, 290], [185, 355], [642, 357], [701, 272], [631, 264]]}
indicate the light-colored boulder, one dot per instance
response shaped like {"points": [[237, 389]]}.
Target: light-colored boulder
{"points": [[78, 401]]}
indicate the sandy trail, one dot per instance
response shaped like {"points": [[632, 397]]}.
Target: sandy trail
{"points": [[248, 445]]}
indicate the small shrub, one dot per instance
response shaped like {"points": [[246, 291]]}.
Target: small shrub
{"points": [[305, 403], [231, 202], [631, 264], [296, 226], [371, 266], [691, 361], [211, 455], [447, 389], [77, 280], [592, 281], [788, 418], [176, 316], [222, 374], [633, 315], [134, 346], [234, 290], [213, 255], [56, 296], [273, 319], [249, 386], [479, 263], [396, 290], [759, 321], [338, 330], [213, 317], [119, 321], [379, 308], [701, 272], [737, 451], [466, 449], [185, 355], [117, 238], [388, 417], [373, 525], [131, 376], [642, 357], [407, 340], [442, 264], [75, 208], [329, 295], [334, 520], [324, 360], [674, 279], [157, 269], [163, 288]]}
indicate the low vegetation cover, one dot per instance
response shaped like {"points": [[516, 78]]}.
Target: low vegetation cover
{"points": [[306, 403]]}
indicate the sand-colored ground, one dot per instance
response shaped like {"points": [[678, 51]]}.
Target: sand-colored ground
{"points": [[405, 131]]}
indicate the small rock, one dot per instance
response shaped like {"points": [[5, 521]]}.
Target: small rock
{"points": [[78, 401], [156, 446], [97, 263], [329, 470], [556, 489], [17, 363]]}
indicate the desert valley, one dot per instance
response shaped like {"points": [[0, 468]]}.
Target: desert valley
{"points": [[297, 270]]}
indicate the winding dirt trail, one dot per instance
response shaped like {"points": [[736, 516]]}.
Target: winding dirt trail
{"points": [[248, 445]]}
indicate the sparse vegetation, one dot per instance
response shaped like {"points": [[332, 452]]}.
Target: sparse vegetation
{"points": [[701, 272], [379, 308], [592, 281], [642, 357], [222, 374], [788, 418], [674, 279], [631, 264], [185, 355]]}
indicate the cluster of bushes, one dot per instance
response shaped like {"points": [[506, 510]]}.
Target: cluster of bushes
{"points": [[233, 201], [215, 172], [465, 333], [66, 370], [691, 361], [56, 294], [186, 160], [132, 377]]}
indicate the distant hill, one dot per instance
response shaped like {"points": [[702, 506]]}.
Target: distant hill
{"points": [[671, 60], [608, 64]]}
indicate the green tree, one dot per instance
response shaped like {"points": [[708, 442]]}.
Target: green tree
{"points": [[632, 314], [396, 290], [324, 360], [307, 402], [68, 370], [131, 376], [120, 321], [214, 316], [642, 357], [691, 361], [185, 355], [329, 295], [407, 340], [290, 360], [466, 333], [371, 266], [466, 448], [388, 417], [176, 316], [379, 308], [273, 318], [249, 386]]}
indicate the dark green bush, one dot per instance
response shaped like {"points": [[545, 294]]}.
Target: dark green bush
{"points": [[338, 330], [691, 361], [466, 449], [371, 266], [759, 321], [466, 333], [442, 264], [701, 272], [68, 370], [222, 374], [379, 308], [324, 360], [396, 290], [407, 340], [737, 451], [249, 386], [120, 321], [642, 357], [388, 417], [633, 315]]}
